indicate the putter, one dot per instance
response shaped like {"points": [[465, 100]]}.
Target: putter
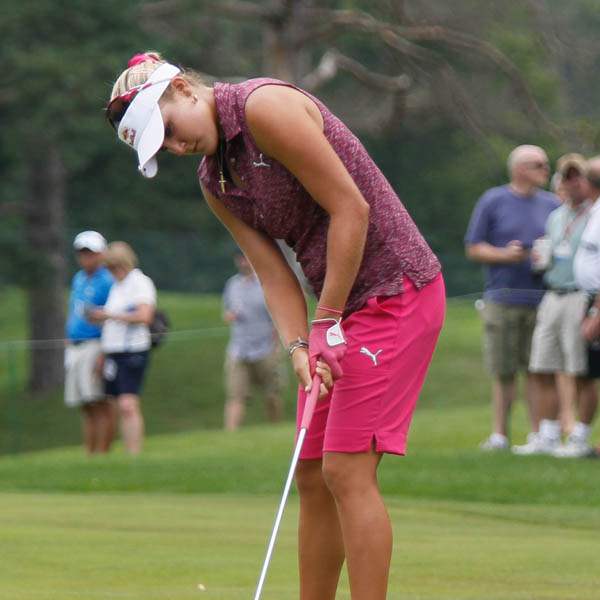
{"points": [[309, 409]]}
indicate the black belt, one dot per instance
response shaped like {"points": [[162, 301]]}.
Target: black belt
{"points": [[564, 291]]}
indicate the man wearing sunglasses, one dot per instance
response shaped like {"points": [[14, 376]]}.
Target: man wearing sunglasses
{"points": [[505, 222]]}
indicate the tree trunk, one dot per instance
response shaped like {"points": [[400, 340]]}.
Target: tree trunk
{"points": [[282, 58], [44, 237]]}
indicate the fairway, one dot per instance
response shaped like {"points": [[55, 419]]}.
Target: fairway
{"points": [[146, 547], [197, 506]]}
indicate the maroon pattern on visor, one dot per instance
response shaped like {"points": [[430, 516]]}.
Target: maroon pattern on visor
{"points": [[117, 107]]}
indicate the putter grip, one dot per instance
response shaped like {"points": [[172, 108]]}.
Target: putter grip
{"points": [[311, 402]]}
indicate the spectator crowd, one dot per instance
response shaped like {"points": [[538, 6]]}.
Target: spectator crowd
{"points": [[541, 304], [111, 307], [540, 311]]}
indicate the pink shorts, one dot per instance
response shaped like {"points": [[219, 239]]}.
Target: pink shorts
{"points": [[390, 344]]}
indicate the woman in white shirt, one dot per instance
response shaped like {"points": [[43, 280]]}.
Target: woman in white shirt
{"points": [[126, 340]]}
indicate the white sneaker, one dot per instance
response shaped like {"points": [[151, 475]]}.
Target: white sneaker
{"points": [[531, 436], [496, 442], [574, 448], [537, 444]]}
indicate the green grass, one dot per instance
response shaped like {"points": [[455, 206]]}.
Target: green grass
{"points": [[183, 389], [197, 505], [146, 547], [255, 460]]}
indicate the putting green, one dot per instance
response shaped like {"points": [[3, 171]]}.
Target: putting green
{"points": [[153, 546]]}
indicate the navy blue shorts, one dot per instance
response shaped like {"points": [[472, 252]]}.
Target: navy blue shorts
{"points": [[124, 372]]}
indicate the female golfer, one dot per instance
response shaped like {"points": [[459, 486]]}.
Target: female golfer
{"points": [[279, 165]]}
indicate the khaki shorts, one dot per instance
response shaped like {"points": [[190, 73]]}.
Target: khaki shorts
{"points": [[266, 373], [557, 343], [507, 337], [82, 383]]}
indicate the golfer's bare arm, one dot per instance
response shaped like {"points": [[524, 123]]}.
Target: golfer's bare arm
{"points": [[288, 127], [283, 294]]}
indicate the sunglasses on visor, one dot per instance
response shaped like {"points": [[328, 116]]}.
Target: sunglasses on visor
{"points": [[115, 110]]}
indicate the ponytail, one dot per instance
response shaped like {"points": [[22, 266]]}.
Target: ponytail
{"points": [[139, 68]]}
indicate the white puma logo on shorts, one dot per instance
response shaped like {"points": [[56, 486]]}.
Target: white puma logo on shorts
{"points": [[372, 356]]}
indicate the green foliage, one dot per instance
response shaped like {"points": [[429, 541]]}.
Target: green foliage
{"points": [[61, 58], [184, 395]]}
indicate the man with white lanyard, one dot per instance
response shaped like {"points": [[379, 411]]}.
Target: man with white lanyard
{"points": [[587, 274], [557, 344]]}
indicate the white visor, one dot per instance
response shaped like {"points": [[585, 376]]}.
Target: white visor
{"points": [[142, 125]]}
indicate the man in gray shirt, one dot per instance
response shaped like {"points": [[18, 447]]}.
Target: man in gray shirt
{"points": [[252, 355]]}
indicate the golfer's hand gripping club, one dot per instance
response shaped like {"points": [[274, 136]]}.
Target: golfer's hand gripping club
{"points": [[328, 343]]}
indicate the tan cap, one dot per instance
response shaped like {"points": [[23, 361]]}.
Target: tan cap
{"points": [[571, 161]]}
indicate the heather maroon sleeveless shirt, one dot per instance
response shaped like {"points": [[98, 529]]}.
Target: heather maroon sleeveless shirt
{"points": [[274, 202]]}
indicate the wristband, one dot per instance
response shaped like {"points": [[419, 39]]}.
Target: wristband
{"points": [[335, 311]]}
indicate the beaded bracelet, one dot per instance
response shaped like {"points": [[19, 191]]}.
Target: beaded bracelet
{"points": [[299, 343]]}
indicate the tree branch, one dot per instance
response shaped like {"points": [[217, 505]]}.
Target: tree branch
{"points": [[237, 9], [402, 39], [333, 60], [455, 39]]}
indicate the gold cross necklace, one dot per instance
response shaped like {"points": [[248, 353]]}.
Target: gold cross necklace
{"points": [[220, 161]]}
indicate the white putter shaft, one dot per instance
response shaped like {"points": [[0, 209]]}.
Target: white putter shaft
{"points": [[309, 409]]}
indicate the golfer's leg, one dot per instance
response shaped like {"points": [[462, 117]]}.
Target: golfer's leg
{"points": [[366, 527], [321, 549]]}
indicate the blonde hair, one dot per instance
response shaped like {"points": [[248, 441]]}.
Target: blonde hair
{"points": [[139, 73], [120, 254]]}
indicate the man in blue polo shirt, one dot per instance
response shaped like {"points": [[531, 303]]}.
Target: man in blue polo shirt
{"points": [[505, 223], [83, 356]]}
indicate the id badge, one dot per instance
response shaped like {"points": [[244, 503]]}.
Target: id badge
{"points": [[563, 250]]}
